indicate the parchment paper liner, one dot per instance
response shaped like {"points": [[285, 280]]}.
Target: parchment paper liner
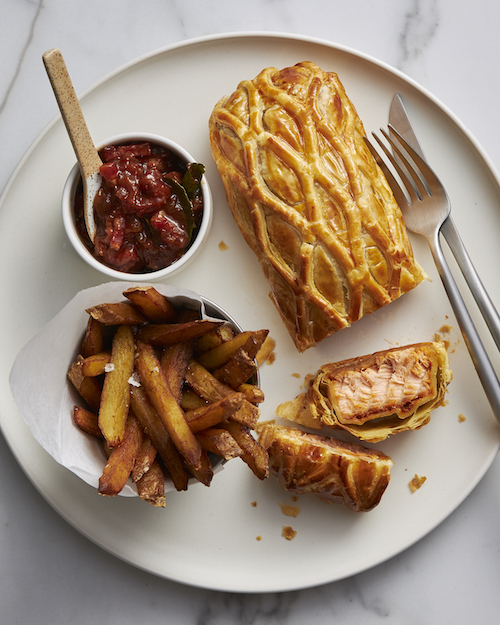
{"points": [[46, 398]]}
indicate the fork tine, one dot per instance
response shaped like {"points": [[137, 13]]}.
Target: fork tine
{"points": [[411, 178], [410, 191], [398, 192], [427, 172]]}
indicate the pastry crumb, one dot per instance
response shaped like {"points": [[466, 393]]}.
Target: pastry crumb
{"points": [[289, 510], [258, 538], [461, 418], [308, 379], [439, 339], [288, 532], [296, 375], [416, 482], [223, 247], [254, 504]]}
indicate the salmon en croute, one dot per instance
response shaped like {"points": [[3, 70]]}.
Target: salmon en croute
{"points": [[376, 395], [310, 200], [334, 471]]}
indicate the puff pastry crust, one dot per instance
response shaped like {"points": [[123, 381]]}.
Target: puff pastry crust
{"points": [[334, 471], [377, 395], [310, 200]]}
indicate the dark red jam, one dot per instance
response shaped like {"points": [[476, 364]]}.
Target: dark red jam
{"points": [[148, 209]]}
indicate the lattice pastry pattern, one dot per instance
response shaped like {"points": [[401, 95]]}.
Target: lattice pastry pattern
{"points": [[333, 470], [310, 200]]}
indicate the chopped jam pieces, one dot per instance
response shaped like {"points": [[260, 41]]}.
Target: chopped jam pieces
{"points": [[145, 218]]}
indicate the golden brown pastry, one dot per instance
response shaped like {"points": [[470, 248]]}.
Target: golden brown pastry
{"points": [[377, 395], [310, 200], [334, 471]]}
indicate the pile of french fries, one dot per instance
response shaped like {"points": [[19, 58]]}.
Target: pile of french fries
{"points": [[168, 393]]}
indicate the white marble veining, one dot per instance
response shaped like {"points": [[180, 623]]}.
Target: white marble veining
{"points": [[49, 573]]}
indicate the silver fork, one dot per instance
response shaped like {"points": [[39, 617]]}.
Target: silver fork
{"points": [[400, 120], [425, 206]]}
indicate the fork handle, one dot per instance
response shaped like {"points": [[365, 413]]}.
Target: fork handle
{"points": [[485, 305], [474, 344]]}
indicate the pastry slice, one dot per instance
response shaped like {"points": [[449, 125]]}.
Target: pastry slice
{"points": [[334, 471], [310, 200], [376, 395]]}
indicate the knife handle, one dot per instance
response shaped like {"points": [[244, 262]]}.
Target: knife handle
{"points": [[482, 363], [483, 300]]}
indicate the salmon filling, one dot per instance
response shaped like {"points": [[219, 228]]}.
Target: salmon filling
{"points": [[396, 381]]}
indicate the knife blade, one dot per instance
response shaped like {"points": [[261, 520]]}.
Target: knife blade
{"points": [[399, 119]]}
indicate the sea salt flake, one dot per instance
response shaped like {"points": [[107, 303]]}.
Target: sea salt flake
{"points": [[134, 380]]}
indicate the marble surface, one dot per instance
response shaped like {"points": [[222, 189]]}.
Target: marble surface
{"points": [[49, 573]]}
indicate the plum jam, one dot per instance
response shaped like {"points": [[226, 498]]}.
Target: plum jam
{"points": [[148, 209]]}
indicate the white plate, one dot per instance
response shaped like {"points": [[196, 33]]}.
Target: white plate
{"points": [[207, 537]]}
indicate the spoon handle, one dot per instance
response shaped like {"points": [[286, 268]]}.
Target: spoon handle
{"points": [[85, 151]]}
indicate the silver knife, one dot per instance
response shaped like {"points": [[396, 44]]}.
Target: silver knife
{"points": [[398, 118]]}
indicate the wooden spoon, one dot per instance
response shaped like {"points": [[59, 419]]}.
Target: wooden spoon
{"points": [[86, 153]]}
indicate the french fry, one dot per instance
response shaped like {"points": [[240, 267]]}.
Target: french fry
{"points": [[220, 442], [174, 362], [155, 428], [208, 387], [152, 304], [204, 473], [117, 314], [248, 341], [88, 388], [187, 314], [86, 421], [121, 461], [219, 355], [163, 334], [115, 396], [253, 454], [214, 338], [154, 381], [151, 486], [204, 383], [190, 400], [95, 365], [252, 393], [145, 458], [238, 370], [255, 342], [265, 353], [209, 415], [92, 342]]}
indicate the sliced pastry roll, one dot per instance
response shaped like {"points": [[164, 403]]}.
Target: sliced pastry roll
{"points": [[376, 395], [310, 200], [334, 471]]}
